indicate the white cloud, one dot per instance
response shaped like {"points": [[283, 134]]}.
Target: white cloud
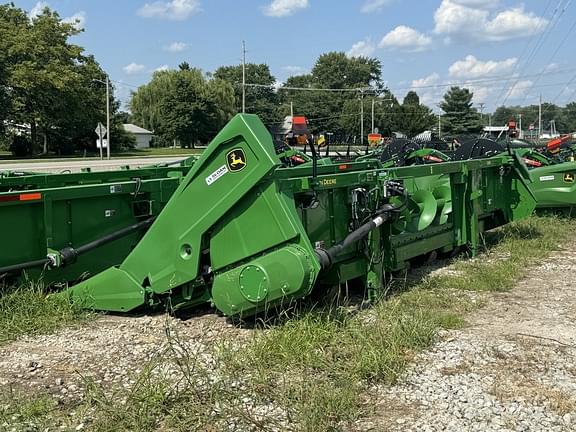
{"points": [[133, 68], [432, 88], [37, 9], [471, 67], [481, 93], [295, 70], [474, 20], [176, 47], [551, 67], [478, 4], [429, 94], [519, 89], [514, 23], [430, 80], [78, 20], [281, 8], [453, 18], [406, 39], [177, 10], [374, 5], [364, 48], [162, 68]]}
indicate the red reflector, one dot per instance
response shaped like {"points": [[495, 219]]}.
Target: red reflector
{"points": [[342, 167], [533, 163], [30, 196], [433, 158], [8, 198]]}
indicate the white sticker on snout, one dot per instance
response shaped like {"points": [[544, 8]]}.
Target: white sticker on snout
{"points": [[216, 175], [547, 178]]}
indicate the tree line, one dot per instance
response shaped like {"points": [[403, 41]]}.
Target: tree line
{"points": [[563, 117], [52, 96]]}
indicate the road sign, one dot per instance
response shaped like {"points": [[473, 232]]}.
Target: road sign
{"points": [[100, 144], [101, 130]]}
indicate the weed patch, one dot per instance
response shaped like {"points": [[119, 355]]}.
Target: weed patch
{"points": [[29, 310]]}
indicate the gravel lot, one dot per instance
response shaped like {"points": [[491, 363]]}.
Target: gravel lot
{"points": [[512, 369]]}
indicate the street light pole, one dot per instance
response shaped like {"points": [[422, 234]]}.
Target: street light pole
{"points": [[243, 77]]}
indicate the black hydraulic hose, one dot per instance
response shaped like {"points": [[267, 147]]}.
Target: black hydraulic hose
{"points": [[114, 236], [327, 256], [69, 254], [314, 161], [23, 266]]}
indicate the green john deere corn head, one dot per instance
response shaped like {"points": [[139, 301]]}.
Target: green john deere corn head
{"points": [[244, 227]]}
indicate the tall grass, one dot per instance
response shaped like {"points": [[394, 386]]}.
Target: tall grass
{"points": [[28, 310]]}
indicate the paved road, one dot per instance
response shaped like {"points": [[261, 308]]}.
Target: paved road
{"points": [[75, 165]]}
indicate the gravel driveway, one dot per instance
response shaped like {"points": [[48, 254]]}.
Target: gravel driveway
{"points": [[512, 369]]}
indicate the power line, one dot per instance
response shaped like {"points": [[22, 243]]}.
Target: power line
{"points": [[555, 52], [557, 14], [517, 65], [495, 79], [357, 90]]}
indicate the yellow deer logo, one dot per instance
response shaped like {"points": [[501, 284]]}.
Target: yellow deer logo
{"points": [[236, 160]]}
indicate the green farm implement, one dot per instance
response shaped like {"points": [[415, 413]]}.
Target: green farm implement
{"points": [[552, 177], [247, 227]]}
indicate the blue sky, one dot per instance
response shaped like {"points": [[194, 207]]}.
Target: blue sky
{"points": [[507, 51]]}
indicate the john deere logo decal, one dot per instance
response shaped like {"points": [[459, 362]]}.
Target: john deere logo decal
{"points": [[236, 160], [569, 177]]}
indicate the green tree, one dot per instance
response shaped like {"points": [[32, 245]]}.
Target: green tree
{"points": [[569, 117], [459, 116], [414, 117], [4, 94], [183, 105], [336, 70], [263, 100], [49, 80], [503, 114], [355, 81]]}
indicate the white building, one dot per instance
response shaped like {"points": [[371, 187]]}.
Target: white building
{"points": [[143, 136]]}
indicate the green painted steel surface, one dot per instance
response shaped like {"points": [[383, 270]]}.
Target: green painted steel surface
{"points": [[554, 186], [41, 213], [245, 230]]}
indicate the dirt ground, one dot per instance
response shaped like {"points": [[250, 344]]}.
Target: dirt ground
{"points": [[512, 369]]}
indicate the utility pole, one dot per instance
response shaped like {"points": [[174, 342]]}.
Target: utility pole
{"points": [[108, 117], [291, 110], [243, 76], [372, 116], [520, 125], [439, 126], [481, 105], [540, 117], [361, 117]]}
